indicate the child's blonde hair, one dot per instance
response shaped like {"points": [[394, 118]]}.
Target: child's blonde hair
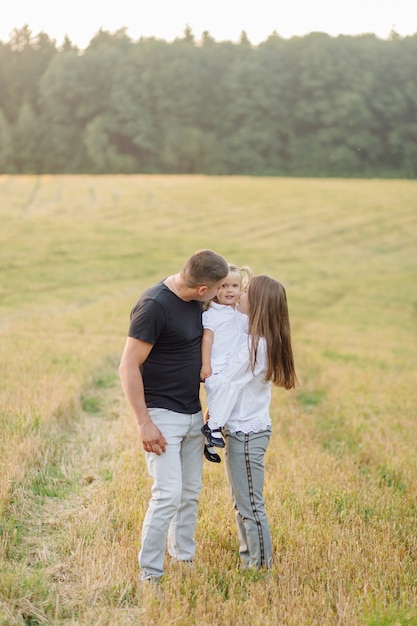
{"points": [[245, 272], [246, 276]]}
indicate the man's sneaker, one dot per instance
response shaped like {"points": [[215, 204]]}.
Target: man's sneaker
{"points": [[213, 439], [150, 585], [211, 455], [184, 563], [151, 580]]}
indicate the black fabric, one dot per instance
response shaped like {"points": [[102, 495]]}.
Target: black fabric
{"points": [[171, 373]]}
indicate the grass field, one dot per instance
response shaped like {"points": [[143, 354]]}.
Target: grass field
{"points": [[341, 477]]}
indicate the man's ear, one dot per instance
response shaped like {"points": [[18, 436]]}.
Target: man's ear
{"points": [[202, 290]]}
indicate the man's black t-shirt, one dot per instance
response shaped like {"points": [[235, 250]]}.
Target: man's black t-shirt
{"points": [[171, 373]]}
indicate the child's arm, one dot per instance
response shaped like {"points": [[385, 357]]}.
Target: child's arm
{"points": [[206, 345]]}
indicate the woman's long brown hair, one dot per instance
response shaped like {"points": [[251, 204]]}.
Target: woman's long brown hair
{"points": [[268, 318]]}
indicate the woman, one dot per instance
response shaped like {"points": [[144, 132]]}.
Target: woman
{"points": [[239, 401]]}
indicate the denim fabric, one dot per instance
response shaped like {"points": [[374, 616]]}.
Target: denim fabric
{"points": [[176, 474], [244, 456]]}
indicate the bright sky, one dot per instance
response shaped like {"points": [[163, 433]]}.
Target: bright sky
{"points": [[224, 19]]}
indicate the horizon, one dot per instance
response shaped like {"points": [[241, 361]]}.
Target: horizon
{"points": [[198, 37], [80, 22]]}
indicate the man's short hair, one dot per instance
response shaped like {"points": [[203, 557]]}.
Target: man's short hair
{"points": [[204, 267]]}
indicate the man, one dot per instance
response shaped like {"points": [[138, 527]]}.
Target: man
{"points": [[160, 375]]}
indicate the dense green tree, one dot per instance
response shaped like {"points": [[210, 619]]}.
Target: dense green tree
{"points": [[68, 46], [26, 140], [60, 92], [314, 105], [103, 153], [104, 38], [137, 102], [256, 121], [6, 146], [25, 60]]}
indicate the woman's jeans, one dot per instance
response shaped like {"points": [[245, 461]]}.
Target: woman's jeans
{"points": [[245, 455], [176, 474]]}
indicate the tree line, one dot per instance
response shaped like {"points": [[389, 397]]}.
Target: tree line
{"points": [[306, 106]]}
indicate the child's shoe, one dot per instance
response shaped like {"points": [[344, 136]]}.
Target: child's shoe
{"points": [[211, 455], [213, 437]]}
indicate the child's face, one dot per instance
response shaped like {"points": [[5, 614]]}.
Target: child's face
{"points": [[229, 291]]}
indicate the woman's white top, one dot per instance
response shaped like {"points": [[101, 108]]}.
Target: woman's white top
{"points": [[239, 399], [228, 325]]}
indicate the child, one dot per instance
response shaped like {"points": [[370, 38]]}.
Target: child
{"points": [[224, 327], [239, 402]]}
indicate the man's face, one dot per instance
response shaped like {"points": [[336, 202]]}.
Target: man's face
{"points": [[207, 293]]}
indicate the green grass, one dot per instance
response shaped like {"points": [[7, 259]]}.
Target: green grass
{"points": [[75, 252]]}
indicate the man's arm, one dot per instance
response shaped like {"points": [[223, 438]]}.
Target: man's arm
{"points": [[135, 353]]}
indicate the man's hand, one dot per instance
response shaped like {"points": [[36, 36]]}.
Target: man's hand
{"points": [[152, 439], [135, 353]]}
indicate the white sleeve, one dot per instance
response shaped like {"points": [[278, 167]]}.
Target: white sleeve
{"points": [[209, 320], [223, 389]]}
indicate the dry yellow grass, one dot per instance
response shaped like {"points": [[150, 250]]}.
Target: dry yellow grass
{"points": [[341, 469]]}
